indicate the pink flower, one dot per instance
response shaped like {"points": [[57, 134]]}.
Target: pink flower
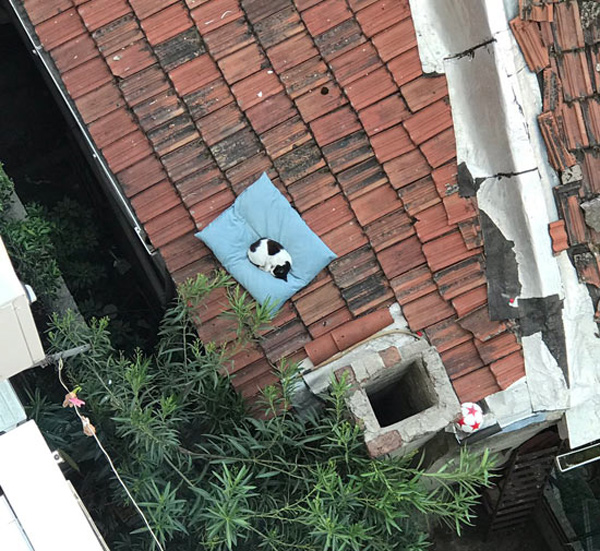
{"points": [[71, 400]]}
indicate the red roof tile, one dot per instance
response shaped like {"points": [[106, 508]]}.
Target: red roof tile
{"points": [[143, 85], [299, 162], [293, 52], [208, 98], [183, 251], [320, 101], [375, 204], [335, 125], [424, 91], [356, 63], [432, 222], [406, 67], [458, 209], [321, 349], [41, 10], [206, 211], [191, 76], [159, 197], [429, 122], [591, 170], [131, 59], [347, 152], [74, 52], [345, 238], [172, 135], [271, 112], [256, 88], [575, 75], [313, 189], [470, 300], [396, 40], [127, 151], [497, 347], [285, 340], [381, 15], [460, 277], [478, 322], [414, 284], [558, 234], [60, 29], [212, 15], [362, 328], [440, 149], [278, 27], [569, 34], [558, 155], [166, 24], [325, 15], [447, 334], [283, 138], [407, 168], [476, 385], [446, 251], [401, 257], [384, 114], [329, 322], [461, 360], [169, 225], [529, 38], [419, 196], [111, 127], [145, 8], [389, 230], [319, 303], [257, 10], [242, 63], [426, 310], [328, 215], [371, 88], [97, 13], [227, 39], [201, 185], [391, 143], [99, 102], [339, 39], [508, 370]]}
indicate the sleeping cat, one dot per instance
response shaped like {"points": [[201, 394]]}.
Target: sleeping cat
{"points": [[270, 257]]}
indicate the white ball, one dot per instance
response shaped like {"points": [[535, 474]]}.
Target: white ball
{"points": [[471, 417]]}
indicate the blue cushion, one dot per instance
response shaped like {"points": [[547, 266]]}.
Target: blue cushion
{"points": [[262, 211]]}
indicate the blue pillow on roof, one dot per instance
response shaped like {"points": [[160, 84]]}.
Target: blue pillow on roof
{"points": [[262, 211]]}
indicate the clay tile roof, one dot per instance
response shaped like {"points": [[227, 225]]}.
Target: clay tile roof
{"points": [[529, 37], [190, 101]]}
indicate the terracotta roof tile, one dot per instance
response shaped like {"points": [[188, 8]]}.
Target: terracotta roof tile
{"points": [[228, 39], [243, 63], [391, 143], [313, 189], [389, 230], [406, 67], [446, 179], [321, 279], [424, 91], [575, 75], [99, 102], [131, 59], [256, 88], [458, 209], [591, 170], [446, 251], [368, 294], [558, 155], [60, 29], [460, 277], [194, 74], [141, 175], [593, 55], [249, 354], [478, 322], [328, 215], [150, 203], [238, 147], [529, 39], [205, 265], [145, 8], [429, 122], [537, 12], [212, 15], [283, 138], [375, 204], [354, 267], [292, 52], [329, 322], [259, 375], [552, 90], [357, 5], [572, 213], [321, 349], [246, 172], [186, 160], [381, 15], [568, 26], [370, 89], [508, 370], [127, 151], [305, 77], [40, 10], [396, 40], [208, 98], [461, 360], [221, 124], [362, 178], [285, 340], [74, 52], [320, 101], [362, 328], [206, 211], [419, 196], [471, 232], [345, 238], [431, 222], [180, 49], [588, 270], [326, 15], [201, 185], [158, 110], [183, 251], [414, 284], [407, 168], [426, 310], [319, 303], [143, 85], [447, 334], [169, 225], [347, 152], [558, 234], [166, 24], [259, 9], [302, 5], [356, 63], [401, 257], [271, 112], [111, 127], [97, 13], [335, 125], [476, 385], [470, 300], [440, 149], [219, 330], [299, 162], [339, 39], [591, 114], [278, 27], [173, 134], [497, 347]]}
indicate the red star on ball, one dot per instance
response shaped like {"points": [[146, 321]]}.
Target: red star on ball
{"points": [[475, 426], [472, 410]]}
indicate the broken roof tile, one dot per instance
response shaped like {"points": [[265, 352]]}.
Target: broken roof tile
{"points": [[361, 178], [432, 221], [60, 29], [375, 204], [460, 277], [326, 15], [292, 52], [97, 13], [389, 230], [361, 328], [478, 322], [319, 101], [529, 38], [424, 91], [447, 334], [575, 75], [419, 196], [271, 112], [256, 88], [572, 213], [558, 234], [476, 385], [470, 300], [426, 310], [381, 15], [212, 15], [371, 88], [194, 74], [299, 162], [345, 238], [429, 121], [558, 155], [407, 168], [568, 26], [401, 257], [471, 232], [386, 113], [243, 63], [286, 136], [413, 284], [553, 92], [497, 347], [166, 24], [228, 39], [356, 63], [313, 189], [461, 360], [339, 39], [143, 85], [446, 251], [406, 67], [508, 370], [348, 151], [278, 26], [396, 40], [586, 264], [335, 125], [591, 170]]}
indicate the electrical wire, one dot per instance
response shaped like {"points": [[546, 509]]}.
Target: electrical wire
{"points": [[86, 423]]}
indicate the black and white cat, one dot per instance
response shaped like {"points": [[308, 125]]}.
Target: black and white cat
{"points": [[270, 257]]}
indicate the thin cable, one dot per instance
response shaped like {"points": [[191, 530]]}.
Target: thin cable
{"points": [[85, 422]]}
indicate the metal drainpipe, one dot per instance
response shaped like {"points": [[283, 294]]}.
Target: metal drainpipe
{"points": [[122, 200]]}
